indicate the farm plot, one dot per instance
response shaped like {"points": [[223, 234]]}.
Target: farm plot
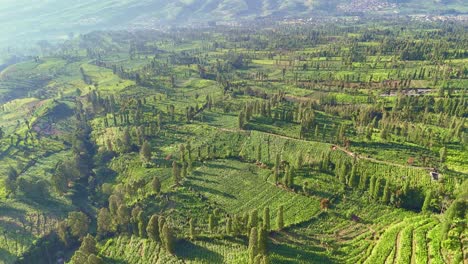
{"points": [[240, 187]]}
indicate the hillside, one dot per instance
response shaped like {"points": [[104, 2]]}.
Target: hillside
{"points": [[299, 143], [56, 18]]}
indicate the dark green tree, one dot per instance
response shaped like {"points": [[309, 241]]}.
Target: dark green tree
{"points": [[376, 193], [123, 214], [253, 219], [211, 223], [241, 120], [88, 246], [266, 218], [141, 225], [372, 185], [280, 218], [262, 242], [93, 259], [386, 192], [191, 229], [253, 244], [63, 232], [167, 238], [343, 173], [152, 229], [353, 177], [145, 152], [277, 168], [78, 223], [228, 226], [259, 153], [443, 154], [427, 202], [126, 141], [176, 173], [156, 185], [104, 222]]}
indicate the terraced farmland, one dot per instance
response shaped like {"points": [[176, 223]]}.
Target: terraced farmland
{"points": [[244, 187], [289, 141]]}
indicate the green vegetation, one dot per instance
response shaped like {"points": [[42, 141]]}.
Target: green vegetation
{"points": [[286, 143]]}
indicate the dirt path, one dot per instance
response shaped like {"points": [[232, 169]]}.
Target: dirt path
{"points": [[337, 147], [380, 161]]}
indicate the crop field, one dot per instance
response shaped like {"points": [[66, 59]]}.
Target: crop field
{"points": [[238, 188]]}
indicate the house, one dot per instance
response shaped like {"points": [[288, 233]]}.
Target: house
{"points": [[434, 175]]}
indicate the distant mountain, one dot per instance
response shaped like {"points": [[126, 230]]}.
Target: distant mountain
{"points": [[59, 17]]}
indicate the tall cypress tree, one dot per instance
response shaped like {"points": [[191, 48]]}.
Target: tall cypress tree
{"points": [[376, 193], [277, 168], [141, 225], [280, 219], [184, 170], [175, 173], [353, 177], [386, 192], [211, 223], [153, 228], [156, 185], [289, 179], [161, 223], [253, 219], [266, 218], [371, 186], [253, 244], [167, 238], [259, 153], [262, 241], [363, 181], [443, 154], [427, 202], [242, 120], [342, 173], [182, 153], [104, 222], [145, 152], [123, 214], [191, 229], [228, 226]]}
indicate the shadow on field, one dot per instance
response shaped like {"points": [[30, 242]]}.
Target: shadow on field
{"points": [[45, 205], [10, 211], [6, 257], [202, 180], [189, 251], [212, 191], [208, 118], [201, 174], [320, 193], [113, 261], [288, 252], [222, 166], [12, 230]]}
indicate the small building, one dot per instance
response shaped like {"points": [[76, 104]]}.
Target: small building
{"points": [[434, 175]]}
